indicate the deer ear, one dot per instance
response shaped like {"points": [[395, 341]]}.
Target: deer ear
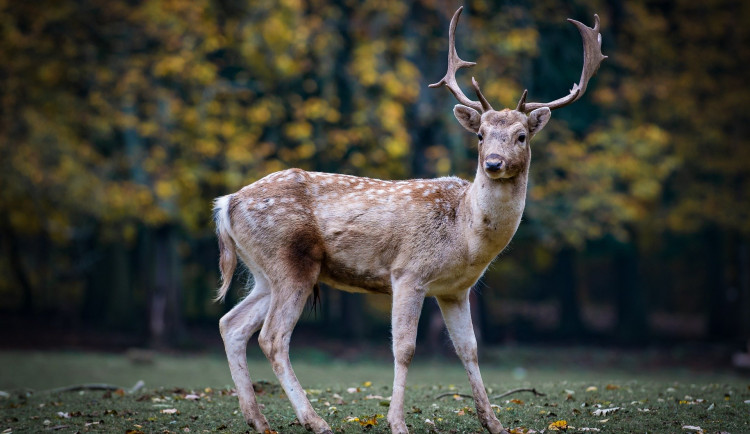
{"points": [[468, 117], [538, 119]]}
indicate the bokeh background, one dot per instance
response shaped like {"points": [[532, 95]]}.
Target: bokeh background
{"points": [[121, 120]]}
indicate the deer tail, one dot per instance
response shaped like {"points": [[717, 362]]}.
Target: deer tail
{"points": [[227, 253]]}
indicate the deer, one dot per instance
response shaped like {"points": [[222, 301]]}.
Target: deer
{"points": [[409, 239]]}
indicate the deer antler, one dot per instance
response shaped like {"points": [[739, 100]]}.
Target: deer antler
{"points": [[454, 64], [592, 58]]}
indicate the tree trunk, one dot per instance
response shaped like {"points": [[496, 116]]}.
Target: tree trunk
{"points": [[13, 253], [632, 325], [352, 316], [744, 277], [567, 285], [721, 325], [165, 319], [119, 311]]}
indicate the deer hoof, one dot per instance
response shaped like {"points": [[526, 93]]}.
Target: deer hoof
{"points": [[260, 424], [399, 428], [494, 426], [318, 426]]}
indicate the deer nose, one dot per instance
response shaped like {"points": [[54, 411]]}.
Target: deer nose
{"points": [[493, 163]]}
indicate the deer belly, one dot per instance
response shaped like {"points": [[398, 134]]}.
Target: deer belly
{"points": [[352, 278]]}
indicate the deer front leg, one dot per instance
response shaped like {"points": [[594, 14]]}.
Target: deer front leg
{"points": [[457, 315], [236, 328], [407, 306]]}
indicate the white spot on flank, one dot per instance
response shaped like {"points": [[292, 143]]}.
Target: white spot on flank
{"points": [[407, 191], [379, 191]]}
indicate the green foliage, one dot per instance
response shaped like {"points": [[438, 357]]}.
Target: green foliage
{"points": [[119, 118]]}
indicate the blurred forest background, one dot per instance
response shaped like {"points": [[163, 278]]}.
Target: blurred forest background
{"points": [[121, 120]]}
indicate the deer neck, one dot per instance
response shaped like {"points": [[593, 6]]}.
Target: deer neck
{"points": [[494, 212]]}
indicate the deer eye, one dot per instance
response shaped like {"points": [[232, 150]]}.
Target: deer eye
{"points": [[480, 136], [522, 138]]}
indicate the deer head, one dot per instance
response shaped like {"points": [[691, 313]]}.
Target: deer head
{"points": [[504, 135]]}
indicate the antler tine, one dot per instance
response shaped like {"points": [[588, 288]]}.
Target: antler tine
{"points": [[454, 64], [485, 105], [522, 102], [592, 58]]}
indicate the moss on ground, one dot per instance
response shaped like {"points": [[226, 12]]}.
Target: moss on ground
{"points": [[354, 398]]}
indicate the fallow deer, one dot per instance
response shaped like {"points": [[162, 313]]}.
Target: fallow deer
{"points": [[409, 239]]}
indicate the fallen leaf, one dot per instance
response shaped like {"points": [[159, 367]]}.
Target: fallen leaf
{"points": [[352, 390], [192, 397], [369, 422], [367, 383], [170, 411], [560, 425], [517, 401], [604, 411], [589, 429], [612, 387], [591, 389], [692, 428]]}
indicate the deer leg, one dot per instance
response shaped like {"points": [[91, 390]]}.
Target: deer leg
{"points": [[407, 306], [286, 307], [457, 315], [236, 328]]}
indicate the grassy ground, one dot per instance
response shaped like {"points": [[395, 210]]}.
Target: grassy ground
{"points": [[192, 393]]}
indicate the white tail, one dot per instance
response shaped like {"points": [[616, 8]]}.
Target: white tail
{"points": [[409, 239], [227, 255]]}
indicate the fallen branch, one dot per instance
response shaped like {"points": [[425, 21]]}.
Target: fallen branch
{"points": [[443, 395], [502, 395], [96, 386], [510, 392]]}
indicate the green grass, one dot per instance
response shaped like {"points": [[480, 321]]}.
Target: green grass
{"points": [[576, 383]]}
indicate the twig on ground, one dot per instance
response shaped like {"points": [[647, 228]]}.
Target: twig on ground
{"points": [[96, 386], [443, 395], [510, 392], [502, 395]]}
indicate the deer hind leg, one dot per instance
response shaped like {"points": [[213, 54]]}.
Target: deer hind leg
{"points": [[457, 315], [287, 303], [407, 306], [237, 326]]}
